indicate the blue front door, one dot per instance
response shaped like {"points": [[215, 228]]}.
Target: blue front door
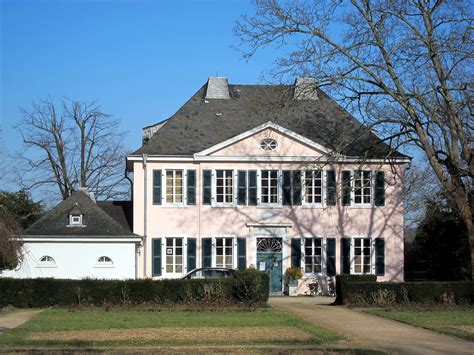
{"points": [[269, 260]]}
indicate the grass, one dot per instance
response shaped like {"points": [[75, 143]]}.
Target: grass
{"points": [[449, 320], [95, 327]]}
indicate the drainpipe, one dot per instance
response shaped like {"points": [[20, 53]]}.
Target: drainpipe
{"points": [[145, 212]]}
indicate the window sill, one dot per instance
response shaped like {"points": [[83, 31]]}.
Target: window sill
{"points": [[104, 266], [46, 267], [176, 206], [269, 206], [361, 206], [313, 206]]}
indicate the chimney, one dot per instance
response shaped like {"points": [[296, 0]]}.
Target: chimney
{"points": [[88, 193], [305, 89], [217, 88]]}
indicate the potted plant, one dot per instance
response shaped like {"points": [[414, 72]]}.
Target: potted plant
{"points": [[292, 274]]}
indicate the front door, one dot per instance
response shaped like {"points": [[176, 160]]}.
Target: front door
{"points": [[269, 260]]}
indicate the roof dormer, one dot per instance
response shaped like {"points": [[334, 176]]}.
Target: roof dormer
{"points": [[76, 217]]}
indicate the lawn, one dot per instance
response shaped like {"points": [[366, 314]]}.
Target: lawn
{"points": [[95, 328], [454, 321]]}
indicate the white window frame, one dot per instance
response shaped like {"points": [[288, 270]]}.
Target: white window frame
{"points": [[323, 189], [46, 264], [371, 179], [323, 256], [234, 250], [104, 264], [214, 202], [164, 189], [164, 247], [371, 256], [279, 189]]}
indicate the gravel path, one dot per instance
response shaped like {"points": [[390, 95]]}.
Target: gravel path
{"points": [[16, 318], [368, 331]]}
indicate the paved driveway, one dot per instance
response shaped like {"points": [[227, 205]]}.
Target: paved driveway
{"points": [[372, 332]]}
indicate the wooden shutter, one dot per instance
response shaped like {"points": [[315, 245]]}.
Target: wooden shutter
{"points": [[296, 252], [156, 257], [346, 188], [379, 188], [191, 187], [157, 187], [206, 252], [331, 256], [241, 254], [330, 188], [379, 256], [242, 187], [296, 185], [345, 255], [206, 187], [252, 187], [191, 254], [287, 187]]}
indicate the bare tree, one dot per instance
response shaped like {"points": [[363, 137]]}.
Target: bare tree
{"points": [[70, 146], [405, 66], [10, 247]]}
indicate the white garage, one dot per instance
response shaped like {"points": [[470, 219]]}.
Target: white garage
{"points": [[80, 238]]}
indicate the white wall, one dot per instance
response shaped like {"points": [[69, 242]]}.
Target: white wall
{"points": [[76, 260]]}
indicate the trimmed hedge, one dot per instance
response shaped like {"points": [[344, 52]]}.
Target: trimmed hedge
{"points": [[343, 279], [249, 286], [387, 293]]}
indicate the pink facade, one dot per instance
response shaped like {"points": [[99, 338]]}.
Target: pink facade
{"points": [[314, 219]]}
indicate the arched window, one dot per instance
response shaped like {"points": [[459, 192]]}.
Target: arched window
{"points": [[46, 261], [104, 261]]}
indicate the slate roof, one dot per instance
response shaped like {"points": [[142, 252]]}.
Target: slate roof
{"points": [[100, 219], [202, 122]]}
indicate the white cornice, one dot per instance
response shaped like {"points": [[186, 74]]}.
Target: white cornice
{"points": [[260, 128], [67, 239]]}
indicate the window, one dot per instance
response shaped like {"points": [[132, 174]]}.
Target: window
{"points": [[362, 263], [46, 261], [225, 252], [75, 220], [104, 260], [174, 186], [313, 251], [269, 186], [362, 187], [224, 186], [313, 183], [268, 144], [174, 256]]}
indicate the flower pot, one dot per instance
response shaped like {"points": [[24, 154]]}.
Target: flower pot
{"points": [[292, 282]]}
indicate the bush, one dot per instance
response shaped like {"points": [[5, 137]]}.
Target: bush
{"points": [[386, 293], [293, 273], [342, 280], [250, 287]]}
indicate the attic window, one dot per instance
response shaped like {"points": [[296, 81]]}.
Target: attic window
{"points": [[75, 220], [268, 144], [46, 261], [104, 261]]}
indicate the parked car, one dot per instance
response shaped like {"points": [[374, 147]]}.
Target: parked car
{"points": [[209, 273]]}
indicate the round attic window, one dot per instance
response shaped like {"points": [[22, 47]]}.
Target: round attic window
{"points": [[268, 144]]}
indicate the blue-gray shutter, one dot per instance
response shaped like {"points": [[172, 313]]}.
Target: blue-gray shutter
{"points": [[346, 188], [156, 257], [242, 187], [286, 187], [296, 185], [379, 256], [157, 187], [206, 187], [379, 188], [330, 188], [296, 252], [241, 254], [191, 254], [206, 252], [331, 256], [345, 255], [191, 187], [252, 187]]}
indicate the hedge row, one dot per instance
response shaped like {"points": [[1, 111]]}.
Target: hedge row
{"points": [[343, 280], [388, 293], [249, 287]]}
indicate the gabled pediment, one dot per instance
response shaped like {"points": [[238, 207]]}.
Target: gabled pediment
{"points": [[268, 139]]}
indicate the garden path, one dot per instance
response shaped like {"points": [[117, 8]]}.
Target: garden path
{"points": [[16, 318], [368, 331]]}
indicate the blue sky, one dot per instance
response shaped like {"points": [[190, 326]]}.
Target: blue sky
{"points": [[141, 60]]}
